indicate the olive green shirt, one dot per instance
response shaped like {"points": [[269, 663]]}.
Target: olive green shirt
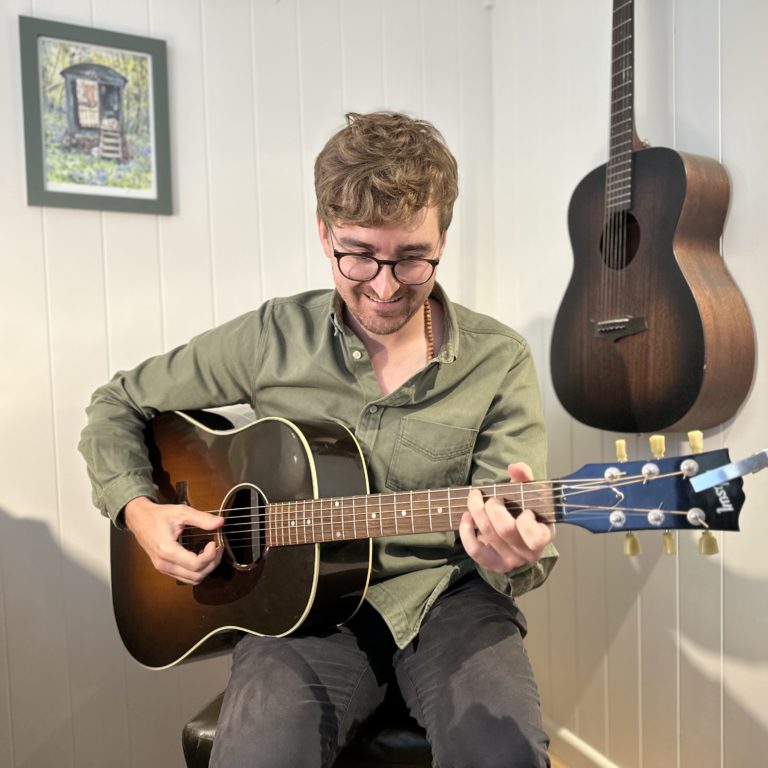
{"points": [[461, 420]]}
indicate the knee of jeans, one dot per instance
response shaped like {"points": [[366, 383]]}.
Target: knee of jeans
{"points": [[494, 743]]}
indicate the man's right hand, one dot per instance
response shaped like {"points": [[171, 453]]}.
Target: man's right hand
{"points": [[157, 528]]}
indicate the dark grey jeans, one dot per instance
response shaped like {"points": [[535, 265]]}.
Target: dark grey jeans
{"points": [[294, 702]]}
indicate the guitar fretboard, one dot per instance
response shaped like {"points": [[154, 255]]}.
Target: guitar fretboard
{"points": [[345, 518], [618, 182]]}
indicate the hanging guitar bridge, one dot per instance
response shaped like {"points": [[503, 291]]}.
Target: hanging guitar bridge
{"points": [[618, 327]]}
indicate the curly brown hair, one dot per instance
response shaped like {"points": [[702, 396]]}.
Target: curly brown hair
{"points": [[384, 168]]}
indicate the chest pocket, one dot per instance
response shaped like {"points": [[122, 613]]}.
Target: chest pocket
{"points": [[428, 454]]}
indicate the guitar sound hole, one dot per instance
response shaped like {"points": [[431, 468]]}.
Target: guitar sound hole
{"points": [[243, 529], [620, 240]]}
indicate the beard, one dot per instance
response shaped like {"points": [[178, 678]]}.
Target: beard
{"points": [[382, 318]]}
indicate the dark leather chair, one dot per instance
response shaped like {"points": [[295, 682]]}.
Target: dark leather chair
{"points": [[391, 738]]}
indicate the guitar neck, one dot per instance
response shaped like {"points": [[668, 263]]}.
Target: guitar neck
{"points": [[392, 514], [618, 188]]}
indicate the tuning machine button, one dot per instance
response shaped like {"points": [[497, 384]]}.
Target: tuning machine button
{"points": [[612, 474], [650, 471], [668, 543], [708, 544], [696, 440], [632, 546], [689, 467], [617, 519]]}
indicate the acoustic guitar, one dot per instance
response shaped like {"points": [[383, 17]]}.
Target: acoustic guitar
{"points": [[652, 332], [300, 520]]}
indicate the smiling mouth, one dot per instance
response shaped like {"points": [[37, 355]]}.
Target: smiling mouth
{"points": [[383, 301]]}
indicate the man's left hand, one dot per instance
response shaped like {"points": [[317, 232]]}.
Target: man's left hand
{"points": [[495, 539]]}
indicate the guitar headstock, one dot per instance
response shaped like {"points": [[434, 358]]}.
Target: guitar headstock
{"points": [[650, 495]]}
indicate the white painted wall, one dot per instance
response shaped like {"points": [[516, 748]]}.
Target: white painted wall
{"points": [[652, 662]]}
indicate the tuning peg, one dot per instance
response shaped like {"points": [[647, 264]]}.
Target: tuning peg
{"points": [[621, 450], [658, 446], [632, 546], [668, 543], [708, 544], [696, 441]]}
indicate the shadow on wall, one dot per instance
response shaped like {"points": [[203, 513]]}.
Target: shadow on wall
{"points": [[594, 574], [74, 696], [64, 657]]}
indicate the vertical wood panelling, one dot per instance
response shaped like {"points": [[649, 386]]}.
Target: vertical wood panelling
{"points": [[657, 577], [321, 76], [665, 669], [697, 106], [362, 54], [744, 121], [475, 251], [230, 122], [255, 90], [645, 661], [281, 173]]}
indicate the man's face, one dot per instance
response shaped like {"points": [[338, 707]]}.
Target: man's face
{"points": [[383, 305]]}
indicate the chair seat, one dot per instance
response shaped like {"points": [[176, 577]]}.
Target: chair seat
{"points": [[391, 738]]}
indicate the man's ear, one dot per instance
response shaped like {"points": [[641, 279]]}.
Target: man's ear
{"points": [[323, 234], [441, 248]]}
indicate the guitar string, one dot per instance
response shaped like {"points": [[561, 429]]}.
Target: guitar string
{"points": [[628, 60], [526, 490], [283, 517], [293, 533], [618, 173]]}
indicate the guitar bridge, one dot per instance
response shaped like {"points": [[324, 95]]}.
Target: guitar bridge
{"points": [[618, 327]]}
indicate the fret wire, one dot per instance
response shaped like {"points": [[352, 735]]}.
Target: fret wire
{"points": [[413, 529], [429, 508], [394, 513], [312, 519], [381, 517], [367, 530]]}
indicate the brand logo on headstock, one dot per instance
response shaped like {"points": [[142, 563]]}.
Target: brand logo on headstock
{"points": [[723, 498]]}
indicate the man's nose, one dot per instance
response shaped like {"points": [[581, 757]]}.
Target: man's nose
{"points": [[384, 284]]}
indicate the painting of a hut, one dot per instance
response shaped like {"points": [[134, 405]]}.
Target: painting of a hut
{"points": [[93, 95], [96, 105]]}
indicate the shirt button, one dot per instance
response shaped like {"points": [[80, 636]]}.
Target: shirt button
{"points": [[357, 354], [373, 409]]}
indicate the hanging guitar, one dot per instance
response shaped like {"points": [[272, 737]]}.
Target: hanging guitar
{"points": [[299, 522], [652, 332]]}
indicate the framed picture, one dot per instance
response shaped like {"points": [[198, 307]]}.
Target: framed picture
{"points": [[95, 118]]}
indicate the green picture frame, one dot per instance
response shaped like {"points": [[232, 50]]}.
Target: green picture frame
{"points": [[96, 128]]}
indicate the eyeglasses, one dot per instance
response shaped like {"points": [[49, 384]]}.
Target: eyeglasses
{"points": [[362, 267]]}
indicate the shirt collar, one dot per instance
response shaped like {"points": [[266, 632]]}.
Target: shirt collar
{"points": [[450, 349]]}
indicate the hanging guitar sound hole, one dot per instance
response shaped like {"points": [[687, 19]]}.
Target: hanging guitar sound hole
{"points": [[620, 240], [243, 531]]}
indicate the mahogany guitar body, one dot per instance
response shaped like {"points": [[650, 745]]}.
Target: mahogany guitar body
{"points": [[661, 339]]}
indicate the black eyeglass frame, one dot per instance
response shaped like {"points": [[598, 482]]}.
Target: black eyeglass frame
{"points": [[339, 255]]}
